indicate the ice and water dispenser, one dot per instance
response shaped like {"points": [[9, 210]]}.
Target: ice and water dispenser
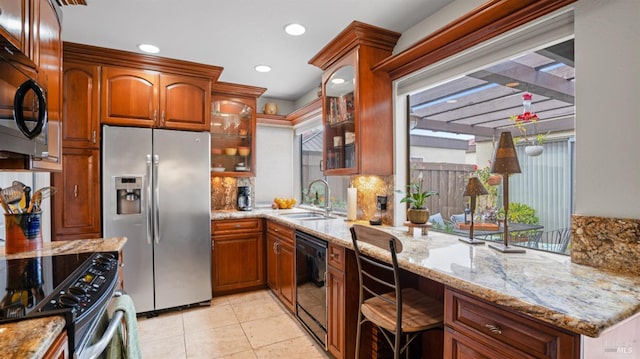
{"points": [[128, 190]]}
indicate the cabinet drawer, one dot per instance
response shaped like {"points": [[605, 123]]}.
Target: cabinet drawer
{"points": [[490, 323], [283, 232], [335, 257], [230, 226]]}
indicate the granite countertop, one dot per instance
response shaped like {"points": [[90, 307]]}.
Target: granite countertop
{"points": [[70, 247], [542, 285], [31, 338]]}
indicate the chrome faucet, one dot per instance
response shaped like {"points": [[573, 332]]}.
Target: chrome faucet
{"points": [[327, 194]]}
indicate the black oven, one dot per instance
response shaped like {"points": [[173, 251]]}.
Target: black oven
{"points": [[311, 291], [23, 111], [77, 286]]}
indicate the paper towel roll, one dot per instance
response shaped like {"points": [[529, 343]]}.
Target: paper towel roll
{"points": [[352, 203]]}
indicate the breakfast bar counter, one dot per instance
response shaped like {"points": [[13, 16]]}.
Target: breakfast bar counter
{"points": [[541, 285]]}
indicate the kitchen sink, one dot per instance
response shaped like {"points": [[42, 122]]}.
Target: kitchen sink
{"points": [[304, 216]]}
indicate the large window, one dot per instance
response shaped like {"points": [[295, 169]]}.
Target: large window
{"points": [[454, 126], [311, 169]]}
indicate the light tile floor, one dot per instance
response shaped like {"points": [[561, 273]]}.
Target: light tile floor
{"points": [[246, 325]]}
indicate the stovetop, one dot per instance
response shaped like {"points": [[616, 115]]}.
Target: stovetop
{"points": [[50, 282]]}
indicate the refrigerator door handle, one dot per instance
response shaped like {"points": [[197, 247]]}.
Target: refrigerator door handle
{"points": [[156, 199], [149, 202]]}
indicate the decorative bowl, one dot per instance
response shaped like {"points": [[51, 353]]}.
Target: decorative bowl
{"points": [[231, 151], [243, 151]]}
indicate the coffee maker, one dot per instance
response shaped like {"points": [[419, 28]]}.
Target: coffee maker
{"points": [[244, 198]]}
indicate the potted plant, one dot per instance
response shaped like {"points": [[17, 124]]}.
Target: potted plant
{"points": [[521, 213], [415, 197]]}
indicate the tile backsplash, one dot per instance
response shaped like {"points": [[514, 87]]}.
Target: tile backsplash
{"points": [[224, 192]]}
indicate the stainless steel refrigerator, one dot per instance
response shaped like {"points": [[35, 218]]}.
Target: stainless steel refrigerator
{"points": [[156, 192]]}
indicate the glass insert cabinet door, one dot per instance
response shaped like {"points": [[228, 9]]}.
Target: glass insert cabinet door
{"points": [[232, 129], [339, 120]]}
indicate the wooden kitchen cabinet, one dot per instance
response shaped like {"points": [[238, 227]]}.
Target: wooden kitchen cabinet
{"points": [[76, 205], [16, 35], [48, 56], [59, 349], [81, 124], [141, 98], [357, 102], [281, 275], [237, 255], [336, 302], [233, 129], [478, 329]]}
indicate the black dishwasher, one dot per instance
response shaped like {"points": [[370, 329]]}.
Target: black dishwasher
{"points": [[311, 292]]}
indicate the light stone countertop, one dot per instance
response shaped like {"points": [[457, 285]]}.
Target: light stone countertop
{"points": [[542, 285], [31, 338]]}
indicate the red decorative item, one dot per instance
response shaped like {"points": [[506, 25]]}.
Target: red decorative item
{"points": [[527, 114]]}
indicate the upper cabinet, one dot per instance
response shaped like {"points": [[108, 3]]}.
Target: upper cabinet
{"points": [[357, 105], [133, 97], [16, 35], [48, 56], [233, 128], [30, 38]]}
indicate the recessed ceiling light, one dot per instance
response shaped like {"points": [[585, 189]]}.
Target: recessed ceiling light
{"points": [[294, 29], [512, 84], [148, 48], [262, 68]]}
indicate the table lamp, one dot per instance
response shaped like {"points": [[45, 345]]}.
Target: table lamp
{"points": [[474, 188], [505, 162]]}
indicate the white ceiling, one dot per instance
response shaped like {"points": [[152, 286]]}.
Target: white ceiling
{"points": [[238, 34]]}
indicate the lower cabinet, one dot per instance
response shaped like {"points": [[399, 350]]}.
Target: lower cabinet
{"points": [[478, 329], [59, 349], [237, 255], [281, 275], [336, 300]]}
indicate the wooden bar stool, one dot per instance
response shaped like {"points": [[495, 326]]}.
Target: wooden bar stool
{"points": [[395, 311]]}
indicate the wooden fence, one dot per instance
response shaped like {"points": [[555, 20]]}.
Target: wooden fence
{"points": [[449, 179]]}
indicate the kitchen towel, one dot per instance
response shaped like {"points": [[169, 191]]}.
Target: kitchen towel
{"points": [[128, 341], [352, 203]]}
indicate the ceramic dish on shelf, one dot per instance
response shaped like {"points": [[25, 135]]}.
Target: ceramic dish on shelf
{"points": [[242, 169], [217, 169], [231, 151], [243, 151]]}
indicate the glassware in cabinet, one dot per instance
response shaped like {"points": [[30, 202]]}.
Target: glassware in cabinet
{"points": [[232, 137]]}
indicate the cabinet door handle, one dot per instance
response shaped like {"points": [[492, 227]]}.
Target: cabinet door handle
{"points": [[75, 191], [94, 137], [334, 256], [321, 169], [493, 328], [162, 118], [155, 115]]}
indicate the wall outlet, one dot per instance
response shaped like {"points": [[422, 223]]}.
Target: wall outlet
{"points": [[381, 203]]}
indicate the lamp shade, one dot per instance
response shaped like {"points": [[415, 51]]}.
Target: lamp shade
{"points": [[474, 188], [505, 160]]}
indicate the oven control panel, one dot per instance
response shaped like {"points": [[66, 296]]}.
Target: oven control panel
{"points": [[88, 288]]}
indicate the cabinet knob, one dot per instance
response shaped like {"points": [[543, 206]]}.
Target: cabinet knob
{"points": [[75, 191], [334, 256], [493, 328]]}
